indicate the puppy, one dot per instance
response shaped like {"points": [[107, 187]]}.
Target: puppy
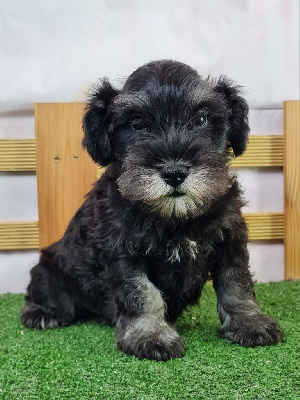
{"points": [[165, 214]]}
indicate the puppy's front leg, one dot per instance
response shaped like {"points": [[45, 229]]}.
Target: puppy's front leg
{"points": [[141, 329], [241, 318]]}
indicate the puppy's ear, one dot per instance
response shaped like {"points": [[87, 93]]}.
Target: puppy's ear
{"points": [[239, 128], [96, 122]]}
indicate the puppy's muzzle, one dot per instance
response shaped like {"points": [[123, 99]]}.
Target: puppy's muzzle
{"points": [[174, 175]]}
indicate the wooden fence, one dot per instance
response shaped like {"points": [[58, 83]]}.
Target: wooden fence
{"points": [[65, 173]]}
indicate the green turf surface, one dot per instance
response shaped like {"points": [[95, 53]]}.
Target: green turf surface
{"points": [[81, 361]]}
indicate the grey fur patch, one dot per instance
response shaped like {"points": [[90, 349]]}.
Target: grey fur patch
{"points": [[248, 308], [173, 255], [149, 335], [249, 329], [150, 186], [146, 326], [185, 247], [202, 185], [153, 302], [192, 248]]}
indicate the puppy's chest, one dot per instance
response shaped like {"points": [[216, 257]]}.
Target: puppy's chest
{"points": [[177, 251], [180, 250]]}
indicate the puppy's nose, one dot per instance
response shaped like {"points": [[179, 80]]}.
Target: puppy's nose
{"points": [[174, 175]]}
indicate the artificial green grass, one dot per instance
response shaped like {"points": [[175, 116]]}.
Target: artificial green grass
{"points": [[81, 361]]}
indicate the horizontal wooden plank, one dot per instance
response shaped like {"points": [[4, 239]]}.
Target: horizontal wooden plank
{"points": [[262, 151], [25, 235], [19, 235], [17, 155], [265, 226]]}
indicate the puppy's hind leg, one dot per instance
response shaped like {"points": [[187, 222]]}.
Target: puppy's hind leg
{"points": [[48, 304]]}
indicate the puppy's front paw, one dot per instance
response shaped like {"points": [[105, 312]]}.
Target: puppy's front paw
{"points": [[149, 338], [251, 331]]}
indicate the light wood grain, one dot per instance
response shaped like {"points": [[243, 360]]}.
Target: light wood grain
{"points": [[17, 155], [292, 188], [19, 235], [262, 151], [65, 172], [265, 226]]}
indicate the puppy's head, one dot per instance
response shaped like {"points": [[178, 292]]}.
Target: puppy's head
{"points": [[172, 131]]}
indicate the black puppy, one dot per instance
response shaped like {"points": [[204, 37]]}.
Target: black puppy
{"points": [[164, 215]]}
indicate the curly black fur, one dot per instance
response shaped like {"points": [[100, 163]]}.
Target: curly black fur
{"points": [[164, 215]]}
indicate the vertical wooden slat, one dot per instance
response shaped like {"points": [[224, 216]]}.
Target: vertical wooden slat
{"points": [[65, 172], [292, 188]]}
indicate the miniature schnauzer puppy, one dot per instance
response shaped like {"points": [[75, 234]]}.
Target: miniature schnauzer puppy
{"points": [[165, 214]]}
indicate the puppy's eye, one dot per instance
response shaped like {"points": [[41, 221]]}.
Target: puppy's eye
{"points": [[137, 125], [201, 120]]}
